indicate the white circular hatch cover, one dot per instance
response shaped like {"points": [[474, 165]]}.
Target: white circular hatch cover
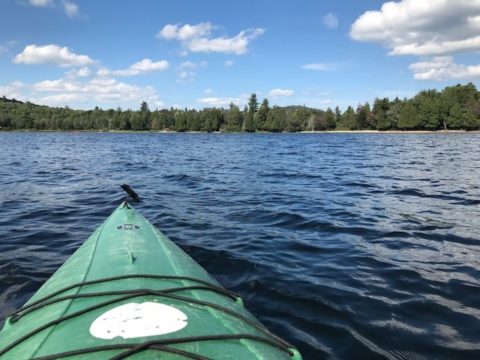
{"points": [[138, 320]]}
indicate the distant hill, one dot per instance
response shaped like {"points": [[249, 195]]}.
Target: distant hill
{"points": [[5, 100]]}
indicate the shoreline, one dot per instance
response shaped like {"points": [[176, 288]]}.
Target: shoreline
{"points": [[393, 132], [387, 132]]}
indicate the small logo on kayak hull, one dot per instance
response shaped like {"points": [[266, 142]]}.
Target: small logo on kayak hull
{"points": [[128, 227]]}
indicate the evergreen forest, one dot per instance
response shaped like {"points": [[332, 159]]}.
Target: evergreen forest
{"points": [[453, 108]]}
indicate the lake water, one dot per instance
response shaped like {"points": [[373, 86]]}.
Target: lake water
{"points": [[347, 245]]}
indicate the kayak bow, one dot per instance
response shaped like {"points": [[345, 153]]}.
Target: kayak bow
{"points": [[129, 291]]}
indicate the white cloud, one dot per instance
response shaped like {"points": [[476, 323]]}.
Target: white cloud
{"points": [[51, 54], [147, 65], [185, 32], [185, 76], [141, 67], [275, 93], [188, 65], [41, 3], [330, 21], [237, 45], [197, 38], [82, 92], [61, 99], [443, 68], [57, 85], [70, 8], [229, 63], [103, 72], [82, 72], [12, 90], [319, 67], [97, 91], [186, 73], [81, 86], [438, 48], [423, 28], [220, 102], [431, 29]]}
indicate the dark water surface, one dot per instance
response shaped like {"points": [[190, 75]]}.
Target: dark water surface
{"points": [[347, 245]]}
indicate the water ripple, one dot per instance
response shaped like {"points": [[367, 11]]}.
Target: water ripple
{"points": [[347, 245]]}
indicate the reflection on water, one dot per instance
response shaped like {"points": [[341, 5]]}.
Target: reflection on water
{"points": [[347, 245]]}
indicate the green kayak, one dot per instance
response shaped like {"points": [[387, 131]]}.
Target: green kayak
{"points": [[129, 292]]}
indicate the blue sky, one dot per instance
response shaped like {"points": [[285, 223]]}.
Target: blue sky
{"points": [[210, 53]]}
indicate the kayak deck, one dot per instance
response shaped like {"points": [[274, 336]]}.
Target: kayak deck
{"points": [[129, 291]]}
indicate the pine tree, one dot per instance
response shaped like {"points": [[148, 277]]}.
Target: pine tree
{"points": [[330, 118], [145, 117], [471, 120], [338, 116], [261, 115], [428, 111], [456, 118], [180, 121], [362, 113], [348, 119], [252, 109], [144, 107], [408, 118], [380, 108], [233, 118]]}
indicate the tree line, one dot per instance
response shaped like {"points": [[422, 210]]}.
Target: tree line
{"points": [[453, 108]]}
